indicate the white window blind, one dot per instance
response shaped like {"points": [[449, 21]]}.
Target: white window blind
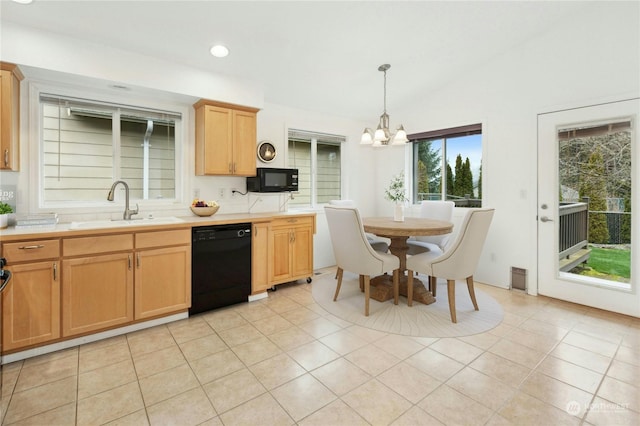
{"points": [[87, 145], [317, 156]]}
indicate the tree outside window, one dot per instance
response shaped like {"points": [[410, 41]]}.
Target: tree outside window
{"points": [[447, 165]]}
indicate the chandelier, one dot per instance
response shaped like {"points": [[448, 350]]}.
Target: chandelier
{"points": [[382, 136]]}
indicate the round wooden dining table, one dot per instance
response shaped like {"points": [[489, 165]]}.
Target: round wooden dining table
{"points": [[399, 232]]}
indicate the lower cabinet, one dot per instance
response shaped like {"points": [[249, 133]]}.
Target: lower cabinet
{"points": [[290, 249], [162, 281], [97, 293], [31, 305], [113, 280]]}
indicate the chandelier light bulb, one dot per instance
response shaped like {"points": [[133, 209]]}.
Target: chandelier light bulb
{"points": [[367, 137]]}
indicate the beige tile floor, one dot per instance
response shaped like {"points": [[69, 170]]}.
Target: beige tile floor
{"points": [[284, 361]]}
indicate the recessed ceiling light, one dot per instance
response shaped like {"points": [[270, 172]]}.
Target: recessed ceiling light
{"points": [[219, 51], [23, 1]]}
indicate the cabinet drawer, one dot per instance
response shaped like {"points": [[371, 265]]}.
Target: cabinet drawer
{"points": [[163, 238], [292, 221], [94, 245], [30, 250]]}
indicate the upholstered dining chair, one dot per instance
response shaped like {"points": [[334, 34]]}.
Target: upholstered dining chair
{"points": [[353, 253], [459, 260], [432, 209], [376, 243]]}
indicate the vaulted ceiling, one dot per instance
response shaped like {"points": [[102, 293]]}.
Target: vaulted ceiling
{"points": [[320, 56]]}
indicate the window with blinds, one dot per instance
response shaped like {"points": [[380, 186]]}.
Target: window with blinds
{"points": [[86, 146], [317, 157]]}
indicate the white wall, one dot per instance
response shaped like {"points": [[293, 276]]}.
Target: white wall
{"points": [[586, 59]]}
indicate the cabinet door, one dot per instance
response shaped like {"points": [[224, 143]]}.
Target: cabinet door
{"points": [[279, 255], [3, 127], [244, 143], [31, 305], [259, 258], [163, 281], [9, 120], [302, 253], [217, 140], [97, 293]]}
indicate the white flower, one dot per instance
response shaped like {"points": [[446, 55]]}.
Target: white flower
{"points": [[396, 191]]}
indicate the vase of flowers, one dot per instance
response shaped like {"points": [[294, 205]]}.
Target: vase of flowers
{"points": [[5, 210], [397, 193]]}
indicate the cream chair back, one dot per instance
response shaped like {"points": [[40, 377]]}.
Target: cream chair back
{"points": [[439, 210], [343, 203], [350, 246], [461, 256], [376, 243]]}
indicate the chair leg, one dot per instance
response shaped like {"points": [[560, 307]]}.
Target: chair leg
{"points": [[339, 284], [433, 285], [472, 292], [361, 281], [396, 286], [451, 290], [409, 288], [367, 282], [337, 272]]}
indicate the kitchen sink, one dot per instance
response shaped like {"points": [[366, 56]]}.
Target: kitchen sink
{"points": [[95, 224]]}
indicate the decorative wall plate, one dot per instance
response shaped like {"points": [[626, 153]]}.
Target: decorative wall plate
{"points": [[266, 151]]}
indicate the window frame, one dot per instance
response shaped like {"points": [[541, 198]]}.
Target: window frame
{"points": [[443, 135], [124, 100], [314, 136]]}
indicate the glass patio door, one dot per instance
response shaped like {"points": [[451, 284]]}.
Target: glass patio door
{"points": [[588, 180]]}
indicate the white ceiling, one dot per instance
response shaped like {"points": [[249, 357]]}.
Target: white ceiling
{"points": [[320, 56]]}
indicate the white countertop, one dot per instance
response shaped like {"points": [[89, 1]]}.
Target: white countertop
{"points": [[65, 229]]}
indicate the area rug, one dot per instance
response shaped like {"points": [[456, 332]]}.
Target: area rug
{"points": [[419, 320]]}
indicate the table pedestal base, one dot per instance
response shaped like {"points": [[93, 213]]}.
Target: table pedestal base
{"points": [[382, 289]]}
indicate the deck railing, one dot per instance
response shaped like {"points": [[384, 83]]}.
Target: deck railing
{"points": [[466, 201], [573, 234]]}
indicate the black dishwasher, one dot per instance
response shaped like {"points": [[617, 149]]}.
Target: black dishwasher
{"points": [[220, 266]]}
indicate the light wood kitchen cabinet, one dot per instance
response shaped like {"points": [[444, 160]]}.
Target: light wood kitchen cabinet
{"points": [[225, 139], [162, 273], [259, 258], [10, 77], [290, 249], [97, 287], [31, 301]]}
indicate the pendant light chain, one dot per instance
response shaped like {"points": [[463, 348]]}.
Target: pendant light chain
{"points": [[385, 91]]}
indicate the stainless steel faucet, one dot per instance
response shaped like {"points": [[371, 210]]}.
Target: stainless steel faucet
{"points": [[127, 213]]}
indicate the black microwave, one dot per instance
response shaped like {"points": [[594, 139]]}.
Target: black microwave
{"points": [[273, 180]]}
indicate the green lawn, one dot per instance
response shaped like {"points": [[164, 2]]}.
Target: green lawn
{"points": [[612, 264]]}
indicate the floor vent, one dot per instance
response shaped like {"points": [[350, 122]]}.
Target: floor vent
{"points": [[518, 278]]}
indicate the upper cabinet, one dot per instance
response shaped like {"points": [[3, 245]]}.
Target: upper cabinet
{"points": [[10, 77], [225, 139]]}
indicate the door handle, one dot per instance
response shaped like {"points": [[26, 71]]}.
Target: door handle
{"points": [[545, 219]]}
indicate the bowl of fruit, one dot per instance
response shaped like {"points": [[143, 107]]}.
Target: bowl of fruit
{"points": [[204, 208]]}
